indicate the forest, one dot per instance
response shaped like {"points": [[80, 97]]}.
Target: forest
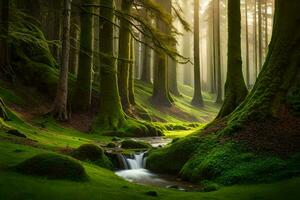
{"points": [[150, 99]]}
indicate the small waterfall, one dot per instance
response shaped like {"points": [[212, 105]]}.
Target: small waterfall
{"points": [[137, 161]]}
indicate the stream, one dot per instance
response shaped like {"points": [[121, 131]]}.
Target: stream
{"points": [[135, 171]]}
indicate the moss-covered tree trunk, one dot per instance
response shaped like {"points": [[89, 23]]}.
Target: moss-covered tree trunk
{"points": [[146, 56], [111, 115], [235, 87], [277, 89], [124, 54], [60, 103], [161, 94], [82, 98], [4, 26], [197, 98], [131, 72]]}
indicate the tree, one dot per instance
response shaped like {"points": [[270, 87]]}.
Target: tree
{"points": [[111, 115], [276, 93], [161, 94], [255, 38], [146, 52], [197, 99], [61, 99], [247, 46], [75, 36], [235, 88], [132, 57], [124, 54], [4, 47], [83, 88], [217, 49], [260, 46]]}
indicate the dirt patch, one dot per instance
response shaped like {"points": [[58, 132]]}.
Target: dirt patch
{"points": [[280, 136]]}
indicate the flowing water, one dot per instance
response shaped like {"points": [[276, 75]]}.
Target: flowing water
{"points": [[135, 172]]}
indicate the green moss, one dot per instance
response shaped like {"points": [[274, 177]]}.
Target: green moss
{"points": [[94, 154], [172, 158], [53, 166], [131, 144], [231, 163]]}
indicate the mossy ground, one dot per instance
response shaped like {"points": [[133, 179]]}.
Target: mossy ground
{"points": [[44, 135]]}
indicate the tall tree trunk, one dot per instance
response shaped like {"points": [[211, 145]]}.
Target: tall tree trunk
{"points": [[111, 115], [266, 28], [83, 88], [217, 51], [4, 47], [60, 104], [247, 46], [124, 55], [255, 39], [270, 102], [54, 32], [146, 53], [131, 72], [235, 87], [75, 40], [172, 77], [160, 85], [197, 99], [260, 46]]}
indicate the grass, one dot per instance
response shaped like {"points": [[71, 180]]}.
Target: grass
{"points": [[50, 136], [202, 115], [105, 185]]}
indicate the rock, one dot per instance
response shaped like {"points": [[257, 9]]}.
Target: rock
{"points": [[16, 133], [53, 166], [93, 153], [115, 139], [151, 193], [111, 145], [173, 187]]}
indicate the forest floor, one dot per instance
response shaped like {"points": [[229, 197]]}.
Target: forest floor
{"points": [[45, 135]]}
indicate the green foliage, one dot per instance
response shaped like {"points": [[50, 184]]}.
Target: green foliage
{"points": [[94, 154], [131, 144], [172, 158], [53, 166]]}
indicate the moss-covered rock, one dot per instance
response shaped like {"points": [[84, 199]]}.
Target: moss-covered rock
{"points": [[172, 158], [131, 144], [53, 166], [94, 154]]}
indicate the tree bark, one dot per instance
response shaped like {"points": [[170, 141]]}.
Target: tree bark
{"points": [[217, 51], [4, 47], [75, 40], [111, 115], [131, 72], [247, 47], [124, 55], [197, 98], [60, 104], [260, 46], [161, 94], [83, 88], [279, 79], [235, 87]]}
